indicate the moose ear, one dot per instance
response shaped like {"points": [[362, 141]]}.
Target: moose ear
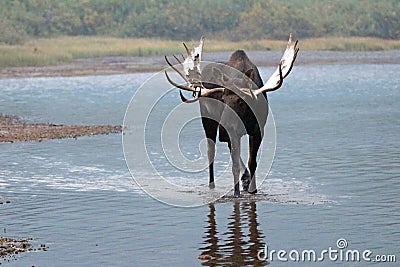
{"points": [[225, 78], [217, 76], [250, 73], [216, 73]]}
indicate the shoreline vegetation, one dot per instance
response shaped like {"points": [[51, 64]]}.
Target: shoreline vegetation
{"points": [[50, 32], [53, 51], [85, 55]]}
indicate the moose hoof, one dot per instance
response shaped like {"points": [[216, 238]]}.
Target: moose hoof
{"points": [[253, 192], [236, 194], [211, 185]]}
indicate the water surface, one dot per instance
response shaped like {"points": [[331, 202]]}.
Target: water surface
{"points": [[335, 175]]}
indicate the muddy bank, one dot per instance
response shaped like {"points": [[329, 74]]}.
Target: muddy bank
{"points": [[13, 129], [11, 247], [120, 65], [85, 67]]}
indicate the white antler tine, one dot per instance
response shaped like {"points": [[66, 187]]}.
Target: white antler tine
{"points": [[290, 40]]}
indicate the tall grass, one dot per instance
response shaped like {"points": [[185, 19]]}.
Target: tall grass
{"points": [[350, 44], [41, 52]]}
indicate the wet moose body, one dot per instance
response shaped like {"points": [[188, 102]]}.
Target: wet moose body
{"points": [[233, 103]]}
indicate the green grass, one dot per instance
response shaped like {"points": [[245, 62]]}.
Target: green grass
{"points": [[42, 52], [350, 44]]}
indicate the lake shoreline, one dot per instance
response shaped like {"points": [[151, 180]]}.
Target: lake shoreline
{"points": [[135, 64], [13, 129]]}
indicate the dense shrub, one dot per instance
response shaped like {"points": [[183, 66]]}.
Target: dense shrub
{"points": [[177, 19]]}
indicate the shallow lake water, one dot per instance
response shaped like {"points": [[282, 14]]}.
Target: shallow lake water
{"points": [[335, 176]]}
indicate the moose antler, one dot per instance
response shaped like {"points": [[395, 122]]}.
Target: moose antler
{"points": [[283, 70], [191, 65], [193, 58]]}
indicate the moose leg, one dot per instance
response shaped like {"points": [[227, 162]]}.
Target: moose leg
{"points": [[246, 175], [235, 155], [254, 144], [210, 127], [211, 155]]}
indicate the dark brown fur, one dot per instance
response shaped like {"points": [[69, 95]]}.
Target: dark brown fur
{"points": [[242, 63]]}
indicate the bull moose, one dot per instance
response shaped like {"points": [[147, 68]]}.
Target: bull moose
{"points": [[233, 103]]}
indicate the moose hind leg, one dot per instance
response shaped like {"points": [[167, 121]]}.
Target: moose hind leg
{"points": [[245, 180]]}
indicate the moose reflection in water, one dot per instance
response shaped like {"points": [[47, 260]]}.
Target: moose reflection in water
{"points": [[239, 243]]}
